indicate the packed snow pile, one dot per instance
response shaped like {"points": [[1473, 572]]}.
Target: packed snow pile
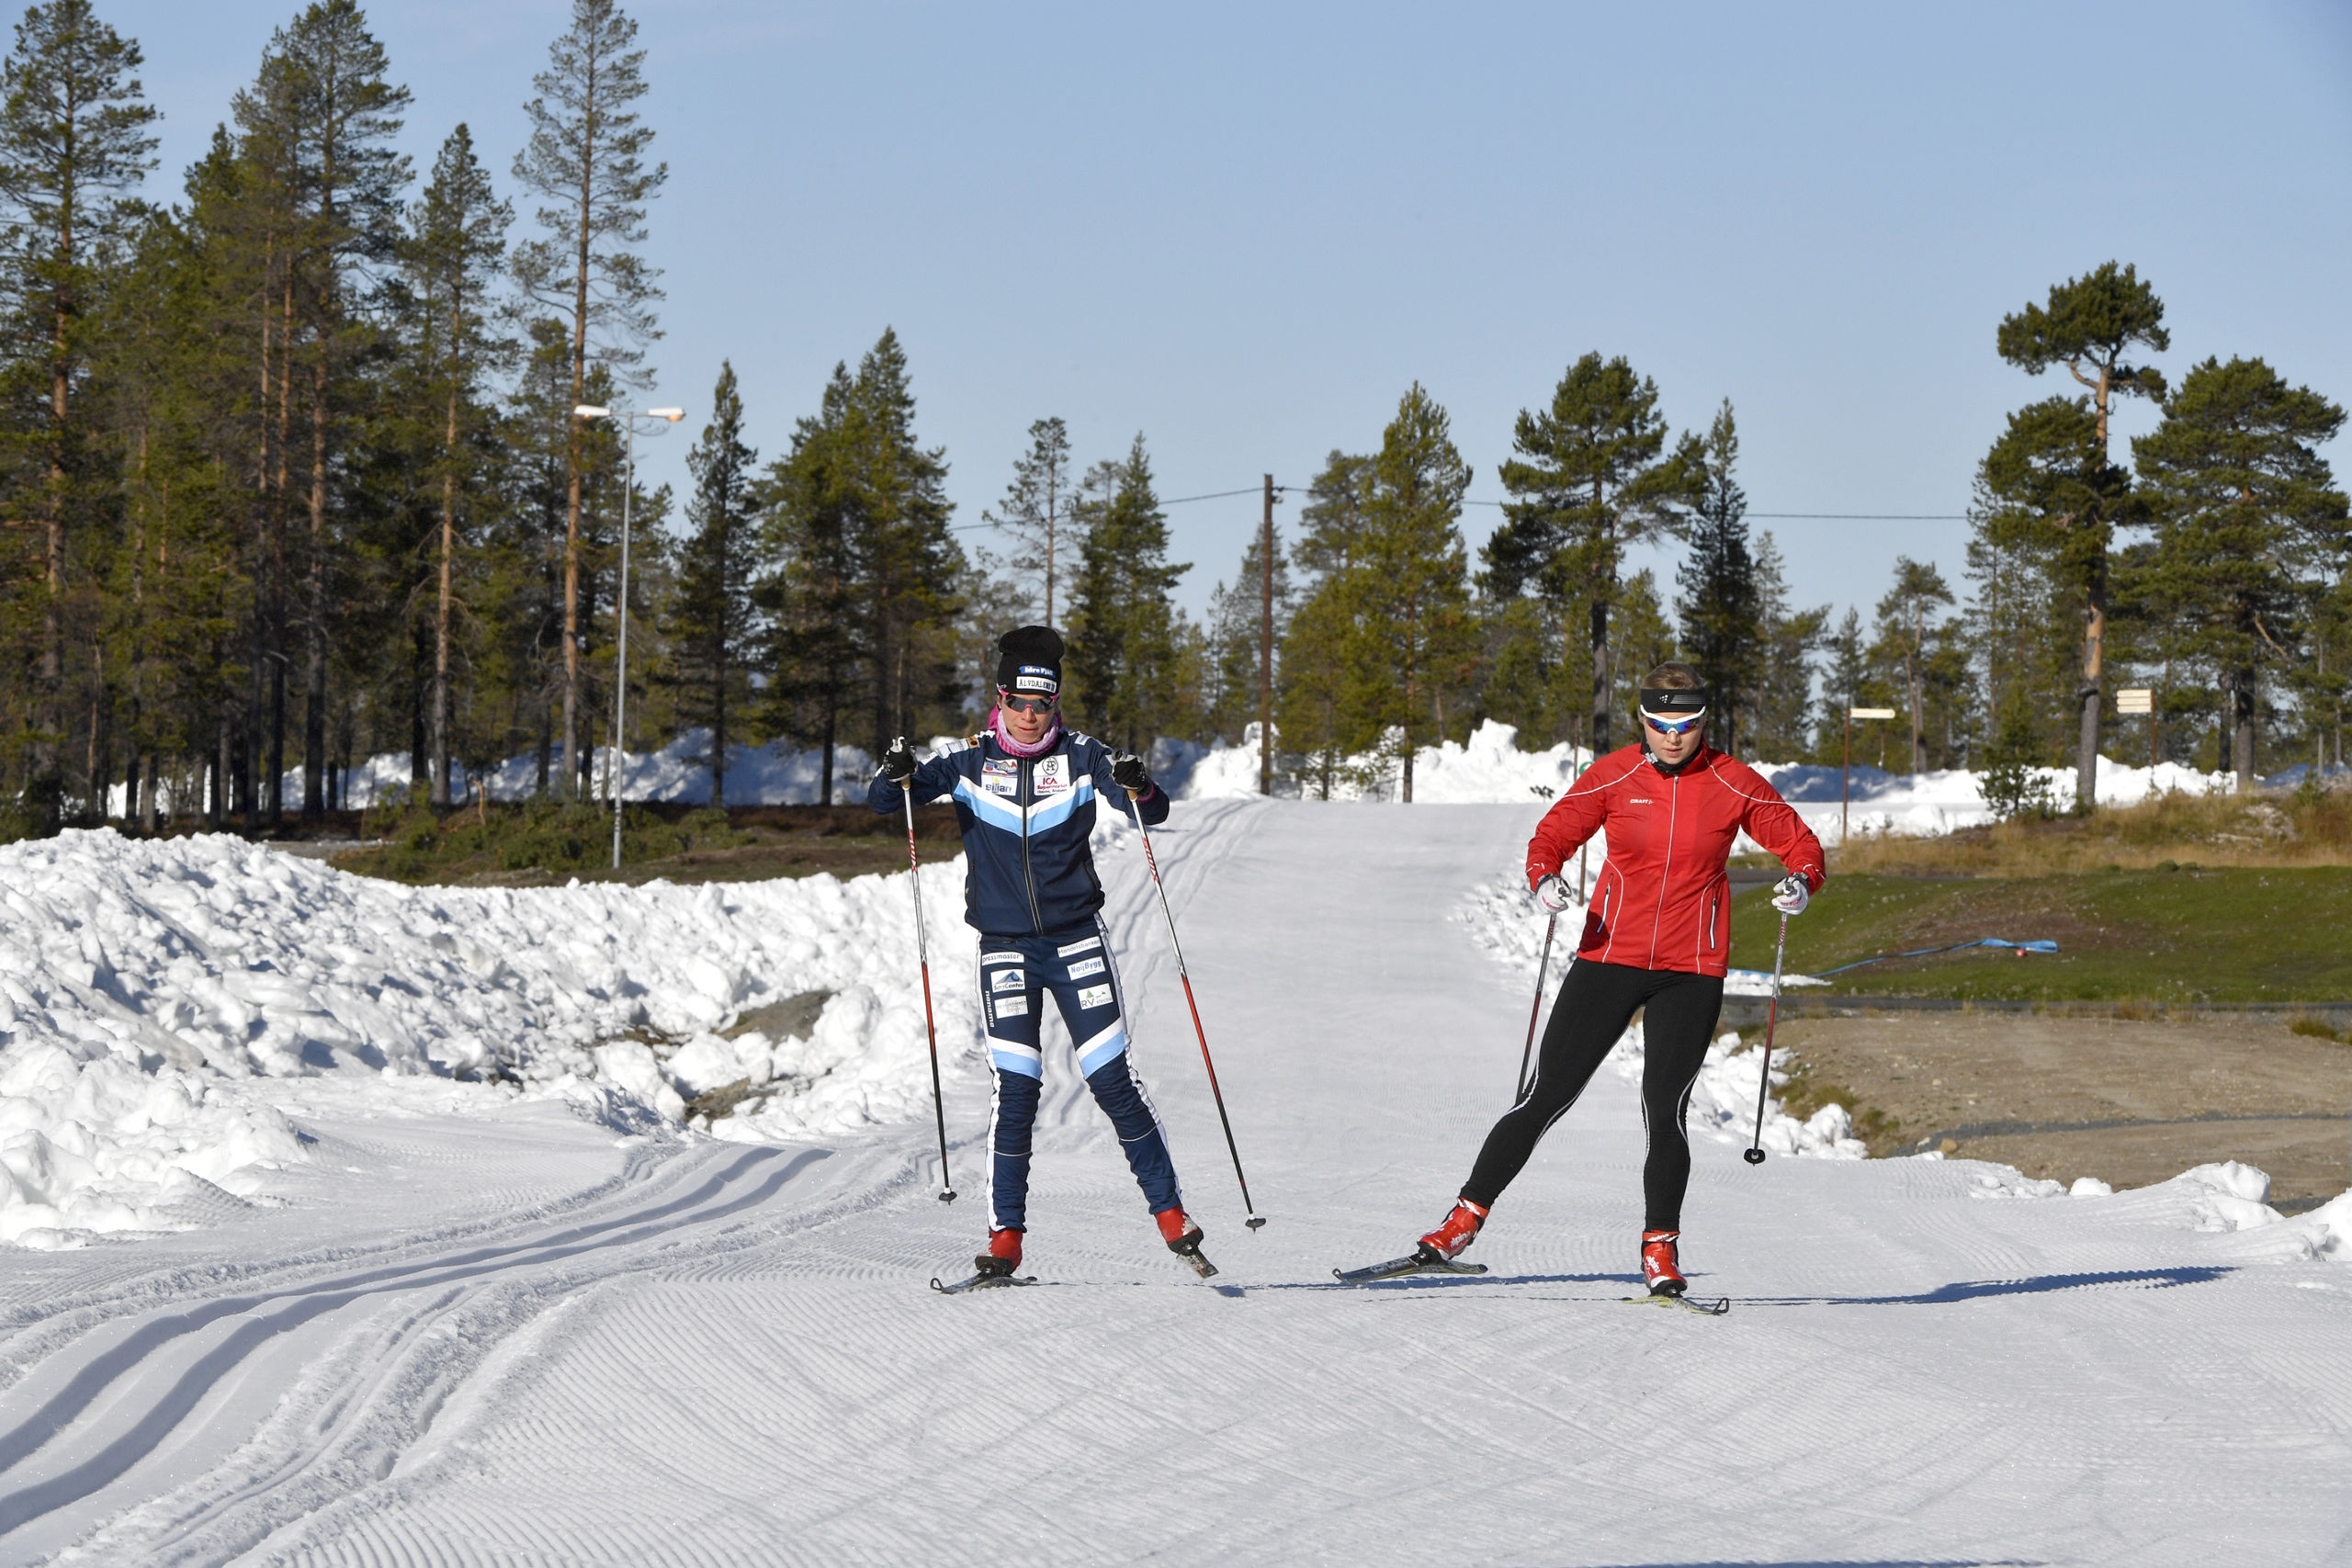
{"points": [[1488, 768], [1505, 919], [149, 990], [1922, 804]]}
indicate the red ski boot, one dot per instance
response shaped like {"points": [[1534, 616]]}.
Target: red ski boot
{"points": [[1003, 1255], [1460, 1229], [1661, 1268], [1183, 1240]]}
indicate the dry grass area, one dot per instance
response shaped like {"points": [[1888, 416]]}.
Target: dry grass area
{"points": [[2128, 1100], [2307, 828]]}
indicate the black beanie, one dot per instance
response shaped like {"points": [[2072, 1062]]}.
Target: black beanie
{"points": [[1029, 662]]}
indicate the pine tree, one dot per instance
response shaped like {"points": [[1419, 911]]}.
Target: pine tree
{"points": [[326, 110], [1124, 631], [455, 242], [2088, 326], [1593, 476], [74, 139], [713, 612], [1036, 507], [587, 157], [2246, 511], [1410, 589], [1722, 620]]}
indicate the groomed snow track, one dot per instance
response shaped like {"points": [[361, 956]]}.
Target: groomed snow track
{"points": [[518, 1340]]}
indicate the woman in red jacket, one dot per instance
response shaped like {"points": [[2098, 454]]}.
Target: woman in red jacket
{"points": [[1656, 937]]}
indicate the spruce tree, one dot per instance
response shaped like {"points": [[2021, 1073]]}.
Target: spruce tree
{"points": [[813, 514], [1722, 620], [2246, 513], [2090, 325], [1592, 475], [1902, 638], [712, 616], [904, 562], [1773, 707], [1036, 508], [1411, 594], [1235, 631], [1123, 635], [586, 158]]}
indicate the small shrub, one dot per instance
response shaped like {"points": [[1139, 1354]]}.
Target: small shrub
{"points": [[2317, 1028]]}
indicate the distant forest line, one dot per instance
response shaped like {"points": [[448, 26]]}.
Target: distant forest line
{"points": [[294, 475]]}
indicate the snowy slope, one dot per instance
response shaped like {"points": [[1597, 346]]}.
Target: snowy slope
{"points": [[513, 1336]]}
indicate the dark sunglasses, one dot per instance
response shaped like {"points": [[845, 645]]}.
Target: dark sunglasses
{"points": [[1674, 727], [1026, 704]]}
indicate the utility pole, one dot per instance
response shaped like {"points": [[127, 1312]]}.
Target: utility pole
{"points": [[1266, 648]]}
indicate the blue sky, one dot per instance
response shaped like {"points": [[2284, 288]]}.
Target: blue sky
{"points": [[1244, 231]]}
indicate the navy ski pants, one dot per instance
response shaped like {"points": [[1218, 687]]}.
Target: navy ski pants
{"points": [[1595, 1004], [1076, 966]]}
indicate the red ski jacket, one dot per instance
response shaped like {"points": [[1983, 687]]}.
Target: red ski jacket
{"points": [[1663, 901]]}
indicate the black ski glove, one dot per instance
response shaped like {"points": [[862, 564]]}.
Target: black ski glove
{"points": [[898, 761], [1127, 771]]}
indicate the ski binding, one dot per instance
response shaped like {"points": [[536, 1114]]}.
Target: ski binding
{"points": [[1398, 1267], [1193, 1255], [982, 1282]]}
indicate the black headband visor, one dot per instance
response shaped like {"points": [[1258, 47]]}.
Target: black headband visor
{"points": [[1666, 704]]}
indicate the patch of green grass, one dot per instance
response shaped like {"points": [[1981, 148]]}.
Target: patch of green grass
{"points": [[2191, 934]]}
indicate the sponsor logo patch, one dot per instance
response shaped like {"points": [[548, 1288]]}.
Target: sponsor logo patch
{"points": [[989, 958], [1000, 777], [1085, 967], [1089, 945], [1094, 995], [1007, 980], [1053, 774], [1011, 1007]]}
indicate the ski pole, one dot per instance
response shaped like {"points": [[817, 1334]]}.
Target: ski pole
{"points": [[931, 1025], [1755, 1155], [1533, 1013], [1256, 1219]]}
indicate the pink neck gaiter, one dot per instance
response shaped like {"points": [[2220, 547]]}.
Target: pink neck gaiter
{"points": [[1044, 744]]}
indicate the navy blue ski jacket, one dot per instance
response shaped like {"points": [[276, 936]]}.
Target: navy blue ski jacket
{"points": [[1026, 823]]}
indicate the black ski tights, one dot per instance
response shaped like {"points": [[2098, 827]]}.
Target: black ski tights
{"points": [[1595, 1004]]}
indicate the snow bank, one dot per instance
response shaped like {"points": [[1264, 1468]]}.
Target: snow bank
{"points": [[775, 774], [1506, 920], [149, 991], [1489, 768], [1923, 805]]}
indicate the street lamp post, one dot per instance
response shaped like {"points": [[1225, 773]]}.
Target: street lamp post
{"points": [[1845, 783], [620, 605]]}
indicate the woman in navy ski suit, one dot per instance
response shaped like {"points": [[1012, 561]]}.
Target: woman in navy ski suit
{"points": [[1024, 794]]}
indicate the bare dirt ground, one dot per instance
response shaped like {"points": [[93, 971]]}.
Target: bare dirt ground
{"points": [[2131, 1102]]}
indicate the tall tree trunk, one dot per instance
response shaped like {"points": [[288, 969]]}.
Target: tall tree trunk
{"points": [[1599, 648], [314, 696], [441, 611], [2242, 700], [573, 455], [718, 733]]}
